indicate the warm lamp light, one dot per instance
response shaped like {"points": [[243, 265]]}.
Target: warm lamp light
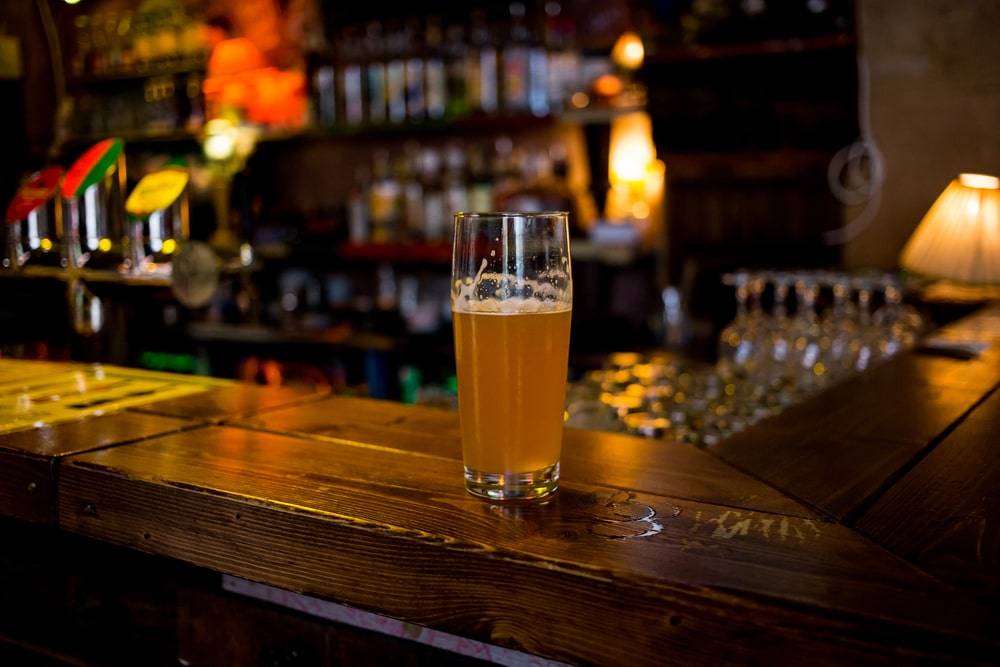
{"points": [[631, 150], [628, 52], [959, 237]]}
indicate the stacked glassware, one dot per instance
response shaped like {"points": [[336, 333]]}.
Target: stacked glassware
{"points": [[821, 327]]}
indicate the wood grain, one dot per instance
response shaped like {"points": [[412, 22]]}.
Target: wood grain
{"points": [[395, 533], [944, 515], [27, 458], [233, 401], [27, 488], [620, 461]]}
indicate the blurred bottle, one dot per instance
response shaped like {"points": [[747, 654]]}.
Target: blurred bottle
{"points": [[434, 215], [395, 75], [481, 70], [384, 201], [375, 72], [358, 219], [480, 197], [435, 70], [516, 56], [456, 51], [413, 47], [413, 193], [351, 77], [455, 193], [324, 96]]}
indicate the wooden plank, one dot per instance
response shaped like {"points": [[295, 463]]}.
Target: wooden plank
{"points": [[625, 462], [27, 487], [27, 458], [233, 401], [395, 533], [944, 515]]}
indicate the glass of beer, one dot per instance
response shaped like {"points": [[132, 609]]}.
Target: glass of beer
{"points": [[511, 299]]}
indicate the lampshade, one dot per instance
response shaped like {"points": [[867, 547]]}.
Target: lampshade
{"points": [[959, 238]]}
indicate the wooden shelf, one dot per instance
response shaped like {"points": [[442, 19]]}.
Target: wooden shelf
{"points": [[155, 68], [682, 54]]}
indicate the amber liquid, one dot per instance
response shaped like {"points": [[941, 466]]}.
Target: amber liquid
{"points": [[511, 388]]}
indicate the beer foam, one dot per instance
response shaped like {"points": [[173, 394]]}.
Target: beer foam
{"points": [[502, 294]]}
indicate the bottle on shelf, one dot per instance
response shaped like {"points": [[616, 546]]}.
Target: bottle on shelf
{"points": [[480, 192], [563, 59], [358, 220], [456, 51], [375, 73], [351, 78], [324, 96], [395, 74], [412, 192], [481, 67], [516, 56], [416, 97], [434, 215], [455, 193], [435, 70], [384, 200]]}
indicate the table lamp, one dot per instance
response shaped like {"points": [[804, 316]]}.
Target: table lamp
{"points": [[959, 237]]}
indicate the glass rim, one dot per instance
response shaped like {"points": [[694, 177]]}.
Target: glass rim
{"points": [[510, 214]]}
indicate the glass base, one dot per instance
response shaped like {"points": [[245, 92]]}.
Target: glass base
{"points": [[512, 486]]}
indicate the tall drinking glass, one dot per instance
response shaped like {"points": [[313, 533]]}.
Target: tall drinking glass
{"points": [[512, 297]]}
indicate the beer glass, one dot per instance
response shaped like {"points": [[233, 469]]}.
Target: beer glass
{"points": [[511, 298]]}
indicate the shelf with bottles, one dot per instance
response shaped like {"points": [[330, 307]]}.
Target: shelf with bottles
{"points": [[115, 44], [432, 70]]}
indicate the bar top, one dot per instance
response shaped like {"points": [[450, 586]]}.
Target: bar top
{"points": [[863, 525]]}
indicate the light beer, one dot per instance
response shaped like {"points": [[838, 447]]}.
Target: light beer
{"points": [[512, 388]]}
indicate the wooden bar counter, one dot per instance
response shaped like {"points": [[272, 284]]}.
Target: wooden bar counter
{"points": [[862, 526]]}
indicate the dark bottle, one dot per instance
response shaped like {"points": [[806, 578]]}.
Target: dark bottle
{"points": [[375, 73], [408, 168], [480, 186], [434, 70], [516, 56], [436, 219], [481, 67], [455, 193], [416, 96], [351, 77], [456, 52], [395, 75]]}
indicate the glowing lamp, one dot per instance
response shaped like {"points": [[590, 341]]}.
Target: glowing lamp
{"points": [[631, 151], [959, 237], [628, 52]]}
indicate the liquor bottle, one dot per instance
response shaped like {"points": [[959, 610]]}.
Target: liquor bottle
{"points": [[481, 71], [358, 220], [408, 168], [325, 98], [384, 201], [515, 62], [435, 72], [416, 98], [456, 52], [395, 75], [435, 218], [564, 60], [455, 194], [351, 78], [375, 72], [538, 76], [480, 195]]}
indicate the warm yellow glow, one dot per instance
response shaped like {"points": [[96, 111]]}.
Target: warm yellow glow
{"points": [[631, 149], [580, 100], [959, 237], [981, 181], [45, 244], [71, 2], [608, 85], [220, 139], [169, 246], [104, 245], [628, 52]]}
